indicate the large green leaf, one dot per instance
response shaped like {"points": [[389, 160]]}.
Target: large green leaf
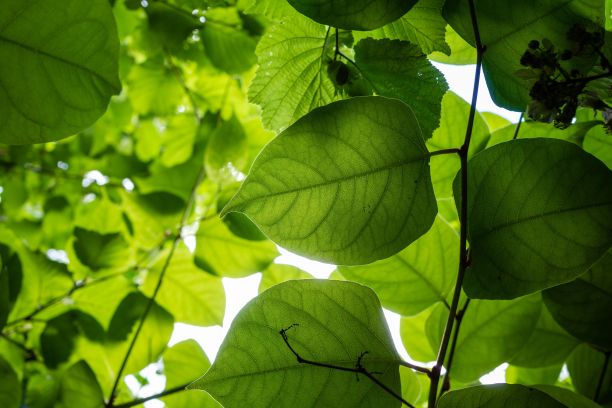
{"points": [[461, 53], [102, 253], [414, 336], [422, 25], [532, 376], [58, 78], [584, 306], [292, 78], [183, 364], [540, 214], [329, 186], [222, 253], [353, 14], [153, 337], [506, 29], [337, 322], [10, 387], [190, 294], [4, 293], [548, 345], [398, 69], [229, 48], [575, 133], [101, 298], [491, 333], [79, 388], [415, 278], [513, 395], [585, 367]]}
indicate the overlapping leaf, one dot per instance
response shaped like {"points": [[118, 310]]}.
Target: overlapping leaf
{"points": [[328, 186], [337, 321], [540, 214], [57, 79]]}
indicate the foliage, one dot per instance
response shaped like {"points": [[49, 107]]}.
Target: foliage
{"points": [[151, 149]]}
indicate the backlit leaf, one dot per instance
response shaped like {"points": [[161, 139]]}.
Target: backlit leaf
{"points": [[338, 321], [584, 306], [415, 278], [292, 79], [328, 186], [58, 78], [540, 214], [353, 14], [398, 69]]}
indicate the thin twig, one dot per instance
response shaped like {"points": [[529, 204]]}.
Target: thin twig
{"points": [[451, 353], [518, 126], [165, 393], [602, 376], [463, 252], [358, 369], [415, 367], [445, 151]]}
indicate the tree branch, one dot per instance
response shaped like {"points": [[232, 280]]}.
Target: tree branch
{"points": [[518, 126], [358, 369], [164, 393], [451, 354], [463, 252], [602, 376]]}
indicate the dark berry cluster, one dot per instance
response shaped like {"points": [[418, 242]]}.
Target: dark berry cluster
{"points": [[558, 89]]}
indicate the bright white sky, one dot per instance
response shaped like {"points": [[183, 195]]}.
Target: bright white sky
{"points": [[240, 291]]}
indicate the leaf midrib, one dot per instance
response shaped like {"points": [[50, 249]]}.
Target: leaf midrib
{"points": [[40, 52], [337, 180]]}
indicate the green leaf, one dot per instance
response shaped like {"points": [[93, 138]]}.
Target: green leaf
{"points": [[531, 376], [5, 301], [583, 307], [585, 367], [190, 294], [415, 278], [292, 79], [398, 69], [567, 397], [58, 78], [273, 9], [328, 186], [183, 363], [423, 25], [529, 130], [512, 395], [414, 337], [540, 214], [153, 88], [338, 321], [495, 122], [10, 387], [102, 253], [492, 332], [79, 388], [598, 142], [41, 279], [461, 53], [226, 151], [177, 138], [548, 345], [277, 273], [353, 14], [58, 339], [220, 252], [523, 21], [101, 298], [229, 49], [153, 337]]}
